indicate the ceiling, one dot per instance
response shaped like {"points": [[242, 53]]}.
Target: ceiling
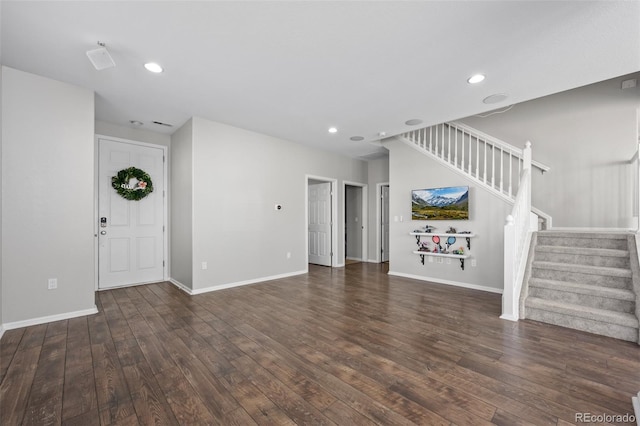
{"points": [[292, 69]]}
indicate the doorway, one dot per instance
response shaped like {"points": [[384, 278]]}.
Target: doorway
{"points": [[130, 232], [383, 222], [355, 222], [321, 232]]}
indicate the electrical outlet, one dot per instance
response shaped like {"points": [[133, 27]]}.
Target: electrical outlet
{"points": [[440, 260], [474, 263], [204, 265], [288, 255], [448, 261], [52, 284], [430, 259]]}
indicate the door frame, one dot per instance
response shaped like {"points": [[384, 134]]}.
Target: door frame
{"points": [[334, 215], [379, 186], [96, 196], [364, 219]]}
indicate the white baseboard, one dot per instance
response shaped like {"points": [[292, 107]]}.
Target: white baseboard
{"points": [[508, 318], [50, 318], [180, 286], [235, 284], [447, 282], [1, 331]]}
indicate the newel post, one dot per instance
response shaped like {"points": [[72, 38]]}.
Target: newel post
{"points": [[508, 307]]}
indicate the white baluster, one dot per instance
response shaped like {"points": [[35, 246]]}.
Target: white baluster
{"points": [[470, 149], [442, 133], [449, 147], [484, 170], [493, 166], [430, 137], [455, 157], [510, 173], [501, 169], [477, 158]]}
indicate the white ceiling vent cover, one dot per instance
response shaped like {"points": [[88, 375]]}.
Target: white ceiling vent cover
{"points": [[100, 58]]}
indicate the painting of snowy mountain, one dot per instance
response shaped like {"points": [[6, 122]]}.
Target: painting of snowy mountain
{"points": [[451, 203]]}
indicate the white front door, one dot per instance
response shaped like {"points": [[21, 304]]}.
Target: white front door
{"points": [[130, 233], [320, 223], [384, 226]]}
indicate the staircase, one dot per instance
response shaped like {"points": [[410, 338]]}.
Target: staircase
{"points": [[576, 280], [582, 281]]}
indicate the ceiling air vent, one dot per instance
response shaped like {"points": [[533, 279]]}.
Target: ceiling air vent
{"points": [[160, 123]]}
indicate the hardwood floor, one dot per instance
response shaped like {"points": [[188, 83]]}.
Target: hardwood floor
{"points": [[336, 346]]}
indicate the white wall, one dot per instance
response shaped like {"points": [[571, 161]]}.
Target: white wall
{"points": [[135, 134], [377, 172], [47, 197], [181, 202], [1, 149], [410, 170], [238, 177], [586, 136]]}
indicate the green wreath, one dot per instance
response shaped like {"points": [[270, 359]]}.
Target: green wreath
{"points": [[137, 191]]}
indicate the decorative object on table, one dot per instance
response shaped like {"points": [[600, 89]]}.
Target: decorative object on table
{"points": [[452, 230], [436, 241], [451, 203], [132, 183], [460, 251], [429, 229], [451, 241], [423, 246]]}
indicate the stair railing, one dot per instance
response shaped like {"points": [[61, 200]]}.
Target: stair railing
{"points": [[517, 238], [482, 157]]}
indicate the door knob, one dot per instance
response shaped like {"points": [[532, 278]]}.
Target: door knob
{"points": [[103, 232]]}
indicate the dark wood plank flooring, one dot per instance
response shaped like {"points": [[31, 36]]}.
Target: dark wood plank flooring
{"points": [[349, 346]]}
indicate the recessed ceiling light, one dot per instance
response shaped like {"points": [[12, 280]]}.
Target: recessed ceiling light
{"points": [[475, 79], [153, 67], [333, 130], [413, 122], [356, 138], [494, 99]]}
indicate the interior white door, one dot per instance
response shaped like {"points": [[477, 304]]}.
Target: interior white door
{"points": [[320, 223], [131, 233], [384, 223]]}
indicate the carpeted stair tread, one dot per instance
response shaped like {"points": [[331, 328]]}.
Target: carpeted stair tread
{"points": [[621, 235], [583, 251], [601, 315], [583, 269], [592, 290]]}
